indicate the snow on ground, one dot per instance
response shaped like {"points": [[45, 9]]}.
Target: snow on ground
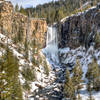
{"points": [[85, 94], [64, 50], [69, 56], [41, 78]]}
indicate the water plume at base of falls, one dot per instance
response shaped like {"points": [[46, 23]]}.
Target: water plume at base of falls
{"points": [[51, 49]]}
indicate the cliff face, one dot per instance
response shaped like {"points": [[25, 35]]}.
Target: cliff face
{"points": [[15, 23], [6, 12], [80, 29], [39, 27]]}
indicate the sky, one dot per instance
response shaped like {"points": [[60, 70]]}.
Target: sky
{"points": [[29, 3]]}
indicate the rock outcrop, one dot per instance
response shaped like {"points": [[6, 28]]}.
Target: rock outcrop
{"points": [[6, 12], [80, 29], [39, 27], [14, 23]]}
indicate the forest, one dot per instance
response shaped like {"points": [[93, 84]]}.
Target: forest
{"points": [[55, 11]]}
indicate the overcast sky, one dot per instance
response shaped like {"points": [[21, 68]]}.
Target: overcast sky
{"points": [[28, 3]]}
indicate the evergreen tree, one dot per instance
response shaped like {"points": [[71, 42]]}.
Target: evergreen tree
{"points": [[90, 91], [59, 15], [46, 68], [20, 33], [22, 10], [26, 47], [15, 39], [35, 47], [27, 88], [93, 75], [11, 85], [28, 73], [69, 90], [16, 8], [77, 76], [2, 83]]}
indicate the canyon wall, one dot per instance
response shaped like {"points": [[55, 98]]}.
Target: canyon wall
{"points": [[14, 23], [80, 29]]}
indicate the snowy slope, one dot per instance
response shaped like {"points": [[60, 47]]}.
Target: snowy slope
{"points": [[39, 70], [69, 56]]}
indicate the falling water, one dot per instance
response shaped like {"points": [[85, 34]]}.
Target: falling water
{"points": [[52, 44], [52, 37]]}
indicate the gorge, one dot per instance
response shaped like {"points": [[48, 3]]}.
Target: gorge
{"points": [[46, 52], [75, 38]]}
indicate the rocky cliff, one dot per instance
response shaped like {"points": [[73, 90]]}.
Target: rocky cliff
{"points": [[15, 23], [6, 12], [80, 29], [16, 27]]}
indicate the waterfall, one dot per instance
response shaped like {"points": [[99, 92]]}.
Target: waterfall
{"points": [[51, 49], [52, 39]]}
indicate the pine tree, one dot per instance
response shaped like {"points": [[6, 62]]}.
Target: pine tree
{"points": [[27, 88], [26, 48], [28, 73], [77, 76], [22, 10], [16, 8], [90, 92], [2, 83], [93, 75], [20, 34], [4, 92], [15, 39], [67, 75], [69, 90], [35, 47], [10, 68], [46, 68], [96, 74]]}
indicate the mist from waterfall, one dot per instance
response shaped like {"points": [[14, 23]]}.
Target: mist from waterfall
{"points": [[52, 44]]}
